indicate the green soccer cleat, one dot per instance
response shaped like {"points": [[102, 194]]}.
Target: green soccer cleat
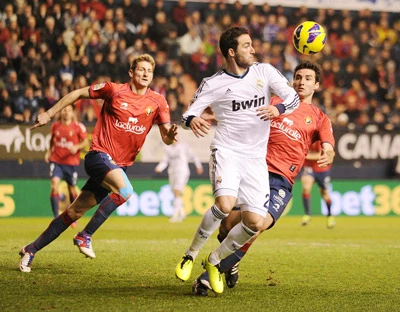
{"points": [[330, 222], [184, 268], [305, 220], [215, 276]]}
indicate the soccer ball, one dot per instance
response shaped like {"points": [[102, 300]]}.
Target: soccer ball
{"points": [[309, 38]]}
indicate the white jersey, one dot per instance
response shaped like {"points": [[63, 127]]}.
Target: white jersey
{"points": [[234, 100], [177, 157]]}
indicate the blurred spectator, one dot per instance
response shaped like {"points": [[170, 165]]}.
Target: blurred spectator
{"points": [[31, 63], [59, 48], [189, 44], [76, 48], [72, 17], [94, 46], [6, 114], [201, 64], [14, 87], [270, 29], [144, 13], [210, 10], [14, 51], [4, 33], [51, 92], [9, 14], [58, 17], [99, 67], [176, 108], [179, 14], [51, 66], [5, 99], [170, 44], [66, 67], [160, 28], [98, 7], [41, 15]]}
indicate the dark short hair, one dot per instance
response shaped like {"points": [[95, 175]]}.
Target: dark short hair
{"points": [[229, 40], [308, 64]]}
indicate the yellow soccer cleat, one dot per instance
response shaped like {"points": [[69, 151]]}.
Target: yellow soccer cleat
{"points": [[215, 276], [305, 220], [330, 222], [184, 268]]}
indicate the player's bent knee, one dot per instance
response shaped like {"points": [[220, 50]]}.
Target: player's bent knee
{"points": [[126, 191]]}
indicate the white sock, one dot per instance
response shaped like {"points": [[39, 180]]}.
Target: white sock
{"points": [[236, 238], [178, 204], [210, 222]]}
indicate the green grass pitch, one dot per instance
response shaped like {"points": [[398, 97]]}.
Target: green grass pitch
{"points": [[353, 267]]}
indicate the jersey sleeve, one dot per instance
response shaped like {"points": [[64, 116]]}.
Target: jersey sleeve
{"points": [[280, 86], [164, 114], [82, 131], [275, 100], [202, 99], [102, 90], [326, 131]]}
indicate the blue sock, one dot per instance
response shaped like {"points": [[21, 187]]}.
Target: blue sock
{"points": [[307, 204], [231, 260], [55, 200], [55, 228], [106, 208]]}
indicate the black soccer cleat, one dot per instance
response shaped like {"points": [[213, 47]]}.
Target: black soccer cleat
{"points": [[200, 287], [232, 276]]}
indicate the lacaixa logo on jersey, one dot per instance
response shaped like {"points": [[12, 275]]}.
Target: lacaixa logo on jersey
{"points": [[148, 110]]}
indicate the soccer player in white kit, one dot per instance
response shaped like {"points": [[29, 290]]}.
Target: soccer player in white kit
{"points": [[239, 97], [177, 157]]}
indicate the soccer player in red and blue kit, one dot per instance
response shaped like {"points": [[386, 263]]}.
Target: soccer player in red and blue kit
{"points": [[128, 113], [68, 137], [290, 138]]}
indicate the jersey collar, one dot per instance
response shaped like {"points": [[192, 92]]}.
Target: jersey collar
{"points": [[237, 76]]}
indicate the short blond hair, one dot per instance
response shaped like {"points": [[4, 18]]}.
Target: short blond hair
{"points": [[143, 58]]}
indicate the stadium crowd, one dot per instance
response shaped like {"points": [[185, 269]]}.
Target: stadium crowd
{"points": [[48, 48]]}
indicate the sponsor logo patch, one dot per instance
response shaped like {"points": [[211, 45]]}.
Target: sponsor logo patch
{"points": [[98, 86]]}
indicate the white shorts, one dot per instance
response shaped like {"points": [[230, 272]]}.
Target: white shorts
{"points": [[245, 178], [178, 179]]}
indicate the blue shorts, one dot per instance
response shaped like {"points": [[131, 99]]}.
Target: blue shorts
{"points": [[65, 172], [97, 166], [323, 178], [280, 192]]}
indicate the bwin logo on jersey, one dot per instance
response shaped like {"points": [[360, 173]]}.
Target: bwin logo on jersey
{"points": [[256, 102]]}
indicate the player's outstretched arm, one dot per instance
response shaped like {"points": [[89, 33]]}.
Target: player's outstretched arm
{"points": [[69, 99], [199, 126], [267, 112], [168, 133], [327, 155]]}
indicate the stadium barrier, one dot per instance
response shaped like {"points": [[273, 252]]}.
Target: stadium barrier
{"points": [[30, 198]]}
